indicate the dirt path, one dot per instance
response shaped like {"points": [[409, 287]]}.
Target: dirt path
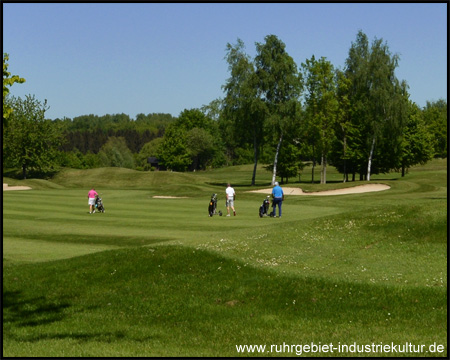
{"points": [[353, 190]]}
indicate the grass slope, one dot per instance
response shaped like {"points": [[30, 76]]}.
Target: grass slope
{"points": [[158, 277], [176, 301]]}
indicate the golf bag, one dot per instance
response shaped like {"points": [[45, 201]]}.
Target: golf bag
{"points": [[264, 208], [99, 204], [213, 205]]}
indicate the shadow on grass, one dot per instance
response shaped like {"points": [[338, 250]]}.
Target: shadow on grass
{"points": [[39, 311], [30, 312], [19, 312]]}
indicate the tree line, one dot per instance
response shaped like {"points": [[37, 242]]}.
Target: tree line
{"points": [[358, 119], [91, 132]]}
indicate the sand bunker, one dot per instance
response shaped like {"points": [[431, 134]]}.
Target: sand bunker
{"points": [[7, 188], [287, 191], [353, 190]]}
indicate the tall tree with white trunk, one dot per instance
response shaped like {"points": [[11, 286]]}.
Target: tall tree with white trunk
{"points": [[281, 84]]}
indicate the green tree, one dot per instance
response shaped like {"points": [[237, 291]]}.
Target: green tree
{"points": [[200, 145], [30, 141], [378, 99], [436, 119], [149, 149], [289, 163], [115, 153], [391, 142], [173, 151], [243, 107], [341, 153], [77, 160], [213, 109], [71, 159], [189, 142], [8, 81], [91, 160], [193, 118], [417, 142], [321, 105], [280, 84], [209, 150]]}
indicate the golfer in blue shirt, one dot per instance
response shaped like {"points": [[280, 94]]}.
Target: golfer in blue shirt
{"points": [[278, 197]]}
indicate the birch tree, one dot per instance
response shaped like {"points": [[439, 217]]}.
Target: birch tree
{"points": [[281, 84], [376, 95], [243, 107], [344, 127], [321, 105]]}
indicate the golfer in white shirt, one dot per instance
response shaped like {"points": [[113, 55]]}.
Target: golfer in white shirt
{"points": [[231, 195]]}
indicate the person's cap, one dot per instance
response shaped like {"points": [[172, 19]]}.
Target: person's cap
{"points": [[276, 183]]}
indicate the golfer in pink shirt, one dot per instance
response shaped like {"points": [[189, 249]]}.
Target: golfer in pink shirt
{"points": [[91, 196]]}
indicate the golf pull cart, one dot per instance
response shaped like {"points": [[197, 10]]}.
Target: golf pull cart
{"points": [[99, 204], [264, 208], [213, 205]]}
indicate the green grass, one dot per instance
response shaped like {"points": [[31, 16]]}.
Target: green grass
{"points": [[158, 277]]}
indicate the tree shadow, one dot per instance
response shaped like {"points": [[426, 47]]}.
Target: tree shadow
{"points": [[19, 312], [36, 311]]}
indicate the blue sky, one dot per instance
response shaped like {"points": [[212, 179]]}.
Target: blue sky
{"points": [[132, 58]]}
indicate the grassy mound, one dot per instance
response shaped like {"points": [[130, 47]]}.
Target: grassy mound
{"points": [[177, 301]]}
